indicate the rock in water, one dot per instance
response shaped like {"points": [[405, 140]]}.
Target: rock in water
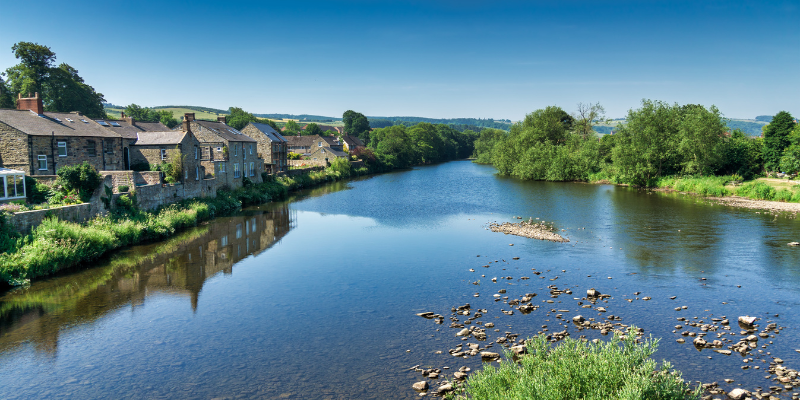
{"points": [[738, 394], [488, 355], [578, 319], [427, 314], [463, 332], [592, 293], [420, 386], [747, 320], [794, 243]]}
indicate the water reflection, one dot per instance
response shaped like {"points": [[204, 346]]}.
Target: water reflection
{"points": [[179, 266]]}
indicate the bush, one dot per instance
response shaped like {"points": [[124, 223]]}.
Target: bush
{"points": [[37, 192], [123, 188], [82, 178], [756, 190], [618, 369]]}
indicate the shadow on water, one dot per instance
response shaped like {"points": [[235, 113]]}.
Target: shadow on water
{"points": [[178, 266]]}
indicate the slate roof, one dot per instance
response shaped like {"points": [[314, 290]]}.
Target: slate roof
{"points": [[206, 130], [159, 138], [352, 141], [328, 150], [128, 131], [53, 123], [271, 133]]}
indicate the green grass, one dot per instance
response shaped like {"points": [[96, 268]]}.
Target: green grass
{"points": [[177, 112], [719, 186], [617, 369]]}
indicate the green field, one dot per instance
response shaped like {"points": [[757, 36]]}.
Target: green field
{"points": [[177, 112]]}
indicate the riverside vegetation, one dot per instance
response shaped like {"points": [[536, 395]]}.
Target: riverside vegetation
{"points": [[662, 145]]}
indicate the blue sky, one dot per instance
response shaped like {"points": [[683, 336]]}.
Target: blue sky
{"points": [[439, 59]]}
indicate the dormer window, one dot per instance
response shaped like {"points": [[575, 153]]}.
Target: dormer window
{"points": [[320, 144]]}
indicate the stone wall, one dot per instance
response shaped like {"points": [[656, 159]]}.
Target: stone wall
{"points": [[79, 149], [26, 220], [306, 163], [14, 149]]}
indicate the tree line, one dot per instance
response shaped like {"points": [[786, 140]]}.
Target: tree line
{"points": [[659, 139]]}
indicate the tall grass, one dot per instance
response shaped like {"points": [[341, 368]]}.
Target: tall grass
{"points": [[618, 369]]}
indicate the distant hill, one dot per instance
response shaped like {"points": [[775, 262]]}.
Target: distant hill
{"points": [[460, 124], [299, 117], [748, 126], [764, 118]]}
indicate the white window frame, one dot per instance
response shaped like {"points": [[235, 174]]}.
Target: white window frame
{"points": [[41, 158], [163, 154], [60, 146], [319, 144], [236, 171]]}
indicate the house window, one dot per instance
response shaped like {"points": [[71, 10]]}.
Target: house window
{"points": [[42, 162], [235, 150], [186, 174], [62, 149], [197, 173], [236, 170], [109, 147], [252, 169], [221, 167], [319, 144], [91, 148], [251, 149], [244, 151], [195, 152], [211, 152], [163, 154]]}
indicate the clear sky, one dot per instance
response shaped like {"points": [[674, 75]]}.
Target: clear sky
{"points": [[427, 58]]}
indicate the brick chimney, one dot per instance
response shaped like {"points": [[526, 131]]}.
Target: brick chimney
{"points": [[221, 119], [186, 126], [188, 117], [30, 103]]}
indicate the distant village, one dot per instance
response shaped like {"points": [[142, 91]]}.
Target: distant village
{"points": [[212, 155]]}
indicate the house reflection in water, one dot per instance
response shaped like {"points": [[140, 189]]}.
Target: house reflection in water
{"points": [[178, 266]]}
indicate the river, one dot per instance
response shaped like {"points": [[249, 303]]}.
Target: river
{"points": [[315, 298]]}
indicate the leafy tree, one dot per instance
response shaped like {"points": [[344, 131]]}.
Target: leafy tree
{"points": [[776, 139], [790, 162], [66, 91], [61, 88], [701, 130], [485, 144], [356, 124], [313, 129], [239, 118], [585, 118], [393, 146], [292, 128], [270, 123], [740, 154], [168, 118], [145, 114], [647, 146], [427, 144], [6, 101]]}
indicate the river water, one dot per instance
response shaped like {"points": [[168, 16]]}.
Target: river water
{"points": [[315, 298]]}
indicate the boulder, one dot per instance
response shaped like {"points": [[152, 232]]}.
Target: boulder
{"points": [[420, 386], [738, 394]]}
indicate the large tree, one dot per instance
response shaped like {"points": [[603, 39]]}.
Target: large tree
{"points": [[313, 129], [239, 118], [61, 88], [776, 139], [356, 124], [145, 114], [6, 101]]}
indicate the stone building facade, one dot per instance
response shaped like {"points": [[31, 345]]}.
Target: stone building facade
{"points": [[40, 142], [171, 147], [272, 146], [225, 152], [128, 128]]}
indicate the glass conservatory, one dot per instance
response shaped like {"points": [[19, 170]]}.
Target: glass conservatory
{"points": [[13, 184]]}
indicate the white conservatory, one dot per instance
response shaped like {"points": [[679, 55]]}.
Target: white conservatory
{"points": [[13, 184]]}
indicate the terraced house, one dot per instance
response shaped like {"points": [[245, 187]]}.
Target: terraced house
{"points": [[39, 142], [226, 153], [272, 146], [129, 128]]}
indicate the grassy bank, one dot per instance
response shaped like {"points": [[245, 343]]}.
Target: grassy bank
{"points": [[56, 245], [618, 369], [720, 186]]}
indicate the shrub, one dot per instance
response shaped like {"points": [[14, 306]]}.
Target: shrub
{"points": [[618, 369], [37, 192], [82, 177], [756, 190], [123, 188]]}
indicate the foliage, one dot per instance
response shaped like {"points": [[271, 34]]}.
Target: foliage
{"points": [[293, 156], [776, 139], [144, 114], [313, 129], [292, 128], [61, 88], [36, 192], [485, 143], [239, 118], [356, 124], [123, 188], [790, 162], [740, 154], [83, 178], [6, 101], [617, 369]]}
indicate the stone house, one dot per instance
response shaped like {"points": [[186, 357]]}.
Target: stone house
{"points": [[351, 143], [306, 145], [272, 146], [225, 152], [324, 155], [170, 147], [128, 128], [39, 142]]}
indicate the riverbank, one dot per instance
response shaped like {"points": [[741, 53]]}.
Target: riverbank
{"points": [[57, 245]]}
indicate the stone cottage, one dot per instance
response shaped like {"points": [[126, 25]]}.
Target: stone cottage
{"points": [[305, 145], [128, 128], [325, 155], [39, 142], [351, 143], [272, 146], [225, 152], [170, 147]]}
